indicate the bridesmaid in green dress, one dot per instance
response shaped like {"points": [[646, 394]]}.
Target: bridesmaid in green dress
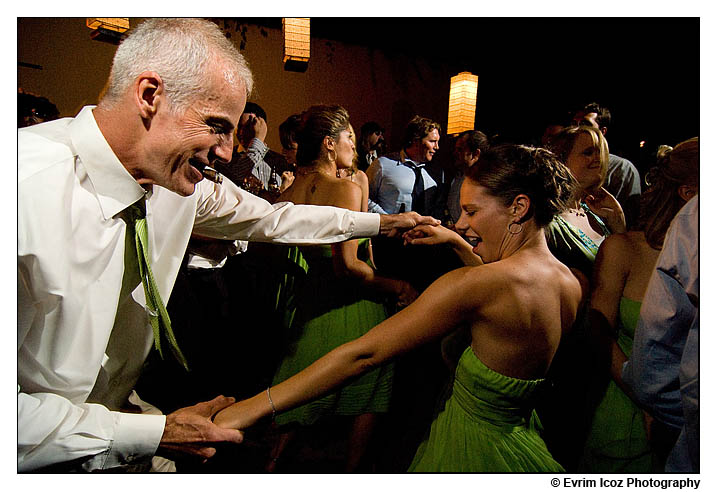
{"points": [[574, 237], [518, 301], [619, 439], [342, 296]]}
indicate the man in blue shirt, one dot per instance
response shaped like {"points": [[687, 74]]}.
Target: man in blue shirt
{"points": [[400, 181]]}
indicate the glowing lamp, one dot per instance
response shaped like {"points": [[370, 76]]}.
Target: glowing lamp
{"points": [[108, 29], [462, 102], [296, 43]]}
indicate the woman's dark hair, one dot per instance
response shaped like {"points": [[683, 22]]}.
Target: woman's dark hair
{"points": [[318, 122], [509, 170], [288, 131], [661, 202], [475, 140]]}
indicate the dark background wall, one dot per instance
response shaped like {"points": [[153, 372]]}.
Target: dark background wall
{"points": [[646, 70]]}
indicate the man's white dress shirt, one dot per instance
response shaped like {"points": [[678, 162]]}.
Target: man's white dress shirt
{"points": [[83, 334]]}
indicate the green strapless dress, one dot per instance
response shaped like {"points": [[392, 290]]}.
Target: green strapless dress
{"points": [[570, 245], [331, 311], [617, 441], [487, 425]]}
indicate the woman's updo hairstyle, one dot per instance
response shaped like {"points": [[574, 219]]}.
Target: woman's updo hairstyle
{"points": [[660, 202], [318, 122], [509, 170]]}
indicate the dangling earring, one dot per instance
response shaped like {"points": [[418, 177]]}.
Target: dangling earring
{"points": [[332, 159], [514, 231]]}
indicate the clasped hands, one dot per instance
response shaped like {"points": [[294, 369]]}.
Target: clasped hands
{"points": [[394, 225], [191, 431]]}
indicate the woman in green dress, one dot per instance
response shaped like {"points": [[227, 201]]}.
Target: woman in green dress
{"points": [[618, 441], [574, 237], [518, 303], [342, 296], [576, 233]]}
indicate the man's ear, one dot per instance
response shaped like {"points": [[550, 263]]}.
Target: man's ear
{"points": [[686, 192], [147, 94], [520, 207], [475, 156]]}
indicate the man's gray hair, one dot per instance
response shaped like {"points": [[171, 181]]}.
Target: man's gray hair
{"points": [[181, 52]]}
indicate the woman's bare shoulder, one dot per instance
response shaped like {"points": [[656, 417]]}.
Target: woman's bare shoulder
{"points": [[342, 193], [361, 177], [621, 242]]}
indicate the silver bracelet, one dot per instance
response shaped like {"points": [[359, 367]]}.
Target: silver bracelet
{"points": [[274, 410]]}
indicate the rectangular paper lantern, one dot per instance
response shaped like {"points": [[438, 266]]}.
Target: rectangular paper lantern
{"points": [[462, 102], [119, 24], [296, 39]]}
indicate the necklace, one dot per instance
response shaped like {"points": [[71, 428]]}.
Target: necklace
{"points": [[302, 172]]}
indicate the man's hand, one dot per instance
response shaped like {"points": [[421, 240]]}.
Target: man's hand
{"points": [[394, 225], [256, 128], [190, 430]]}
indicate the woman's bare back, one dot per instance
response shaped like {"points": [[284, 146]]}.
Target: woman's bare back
{"points": [[316, 188], [528, 301]]}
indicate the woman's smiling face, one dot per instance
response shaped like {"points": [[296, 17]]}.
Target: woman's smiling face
{"points": [[584, 161], [484, 220]]}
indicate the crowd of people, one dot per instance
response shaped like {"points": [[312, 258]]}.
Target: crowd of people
{"points": [[523, 308]]}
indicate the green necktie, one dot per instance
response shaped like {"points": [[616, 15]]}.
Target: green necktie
{"points": [[159, 319]]}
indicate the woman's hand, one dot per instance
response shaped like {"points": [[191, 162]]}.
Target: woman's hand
{"points": [[287, 180], [427, 234], [433, 235], [605, 205]]}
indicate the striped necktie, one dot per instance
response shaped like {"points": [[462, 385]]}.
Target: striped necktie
{"points": [[159, 318]]}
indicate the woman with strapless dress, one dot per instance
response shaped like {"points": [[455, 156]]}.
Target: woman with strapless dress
{"points": [[619, 438], [518, 303], [342, 296]]}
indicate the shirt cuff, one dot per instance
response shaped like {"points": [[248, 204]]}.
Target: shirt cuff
{"points": [[366, 224], [258, 146], [137, 437]]}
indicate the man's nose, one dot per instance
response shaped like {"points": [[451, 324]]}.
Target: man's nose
{"points": [[223, 149]]}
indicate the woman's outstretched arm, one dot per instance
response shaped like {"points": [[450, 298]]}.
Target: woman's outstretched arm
{"points": [[445, 303], [427, 234]]}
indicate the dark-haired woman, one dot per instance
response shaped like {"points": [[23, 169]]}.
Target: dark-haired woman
{"points": [[618, 441], [518, 304], [342, 296]]}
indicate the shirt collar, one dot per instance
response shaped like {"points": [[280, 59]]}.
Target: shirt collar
{"points": [[406, 160], [116, 189]]}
